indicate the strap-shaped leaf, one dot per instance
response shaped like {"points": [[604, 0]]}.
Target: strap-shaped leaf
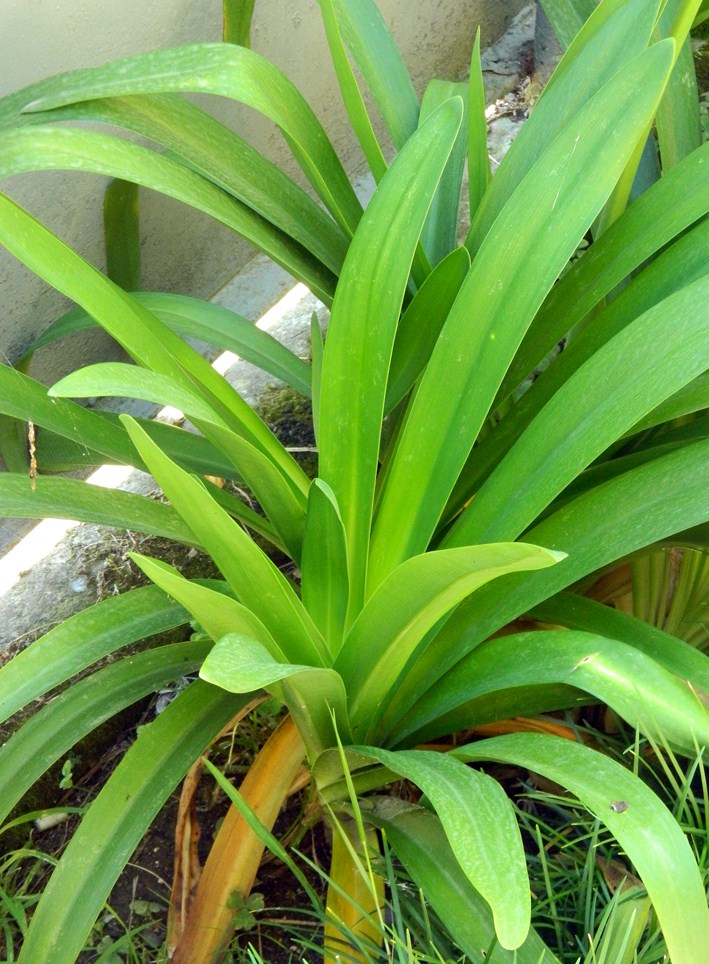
{"points": [[237, 16], [349, 89], [122, 812], [325, 581], [617, 31], [421, 324], [380, 64], [679, 98], [694, 397], [228, 71], [315, 695], [579, 612], [210, 148], [645, 829], [680, 264], [638, 688], [50, 147], [255, 580], [83, 639], [480, 824], [671, 205], [395, 620], [284, 507], [441, 229], [478, 159], [419, 841], [205, 321], [89, 438], [362, 328], [217, 613], [567, 17], [118, 380], [584, 418], [58, 726], [149, 342], [121, 228], [523, 253], [678, 117], [637, 508], [23, 398], [72, 499]]}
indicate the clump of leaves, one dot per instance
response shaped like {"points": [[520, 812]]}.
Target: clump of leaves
{"points": [[447, 505]]}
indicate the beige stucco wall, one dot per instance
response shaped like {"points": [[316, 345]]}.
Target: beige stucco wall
{"points": [[182, 250]]}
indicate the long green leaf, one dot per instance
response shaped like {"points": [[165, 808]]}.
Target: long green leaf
{"points": [[147, 340], [118, 380], [694, 397], [212, 149], [666, 209], [381, 65], [284, 507], [523, 253], [315, 695], [678, 118], [680, 99], [647, 832], [479, 823], [363, 325], [50, 147], [596, 529], [579, 612], [353, 100], [59, 725], [325, 581], [237, 16], [122, 812], [584, 417], [418, 840], [640, 690], [217, 613], [82, 640], [89, 438], [567, 17], [205, 321], [478, 159], [440, 232], [255, 580], [421, 324], [405, 607], [72, 499], [679, 265], [617, 31], [121, 229], [22, 397], [228, 71]]}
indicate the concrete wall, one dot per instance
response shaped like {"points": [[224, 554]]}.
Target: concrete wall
{"points": [[184, 251]]}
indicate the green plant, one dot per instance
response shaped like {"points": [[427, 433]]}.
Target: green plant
{"points": [[435, 456]]}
